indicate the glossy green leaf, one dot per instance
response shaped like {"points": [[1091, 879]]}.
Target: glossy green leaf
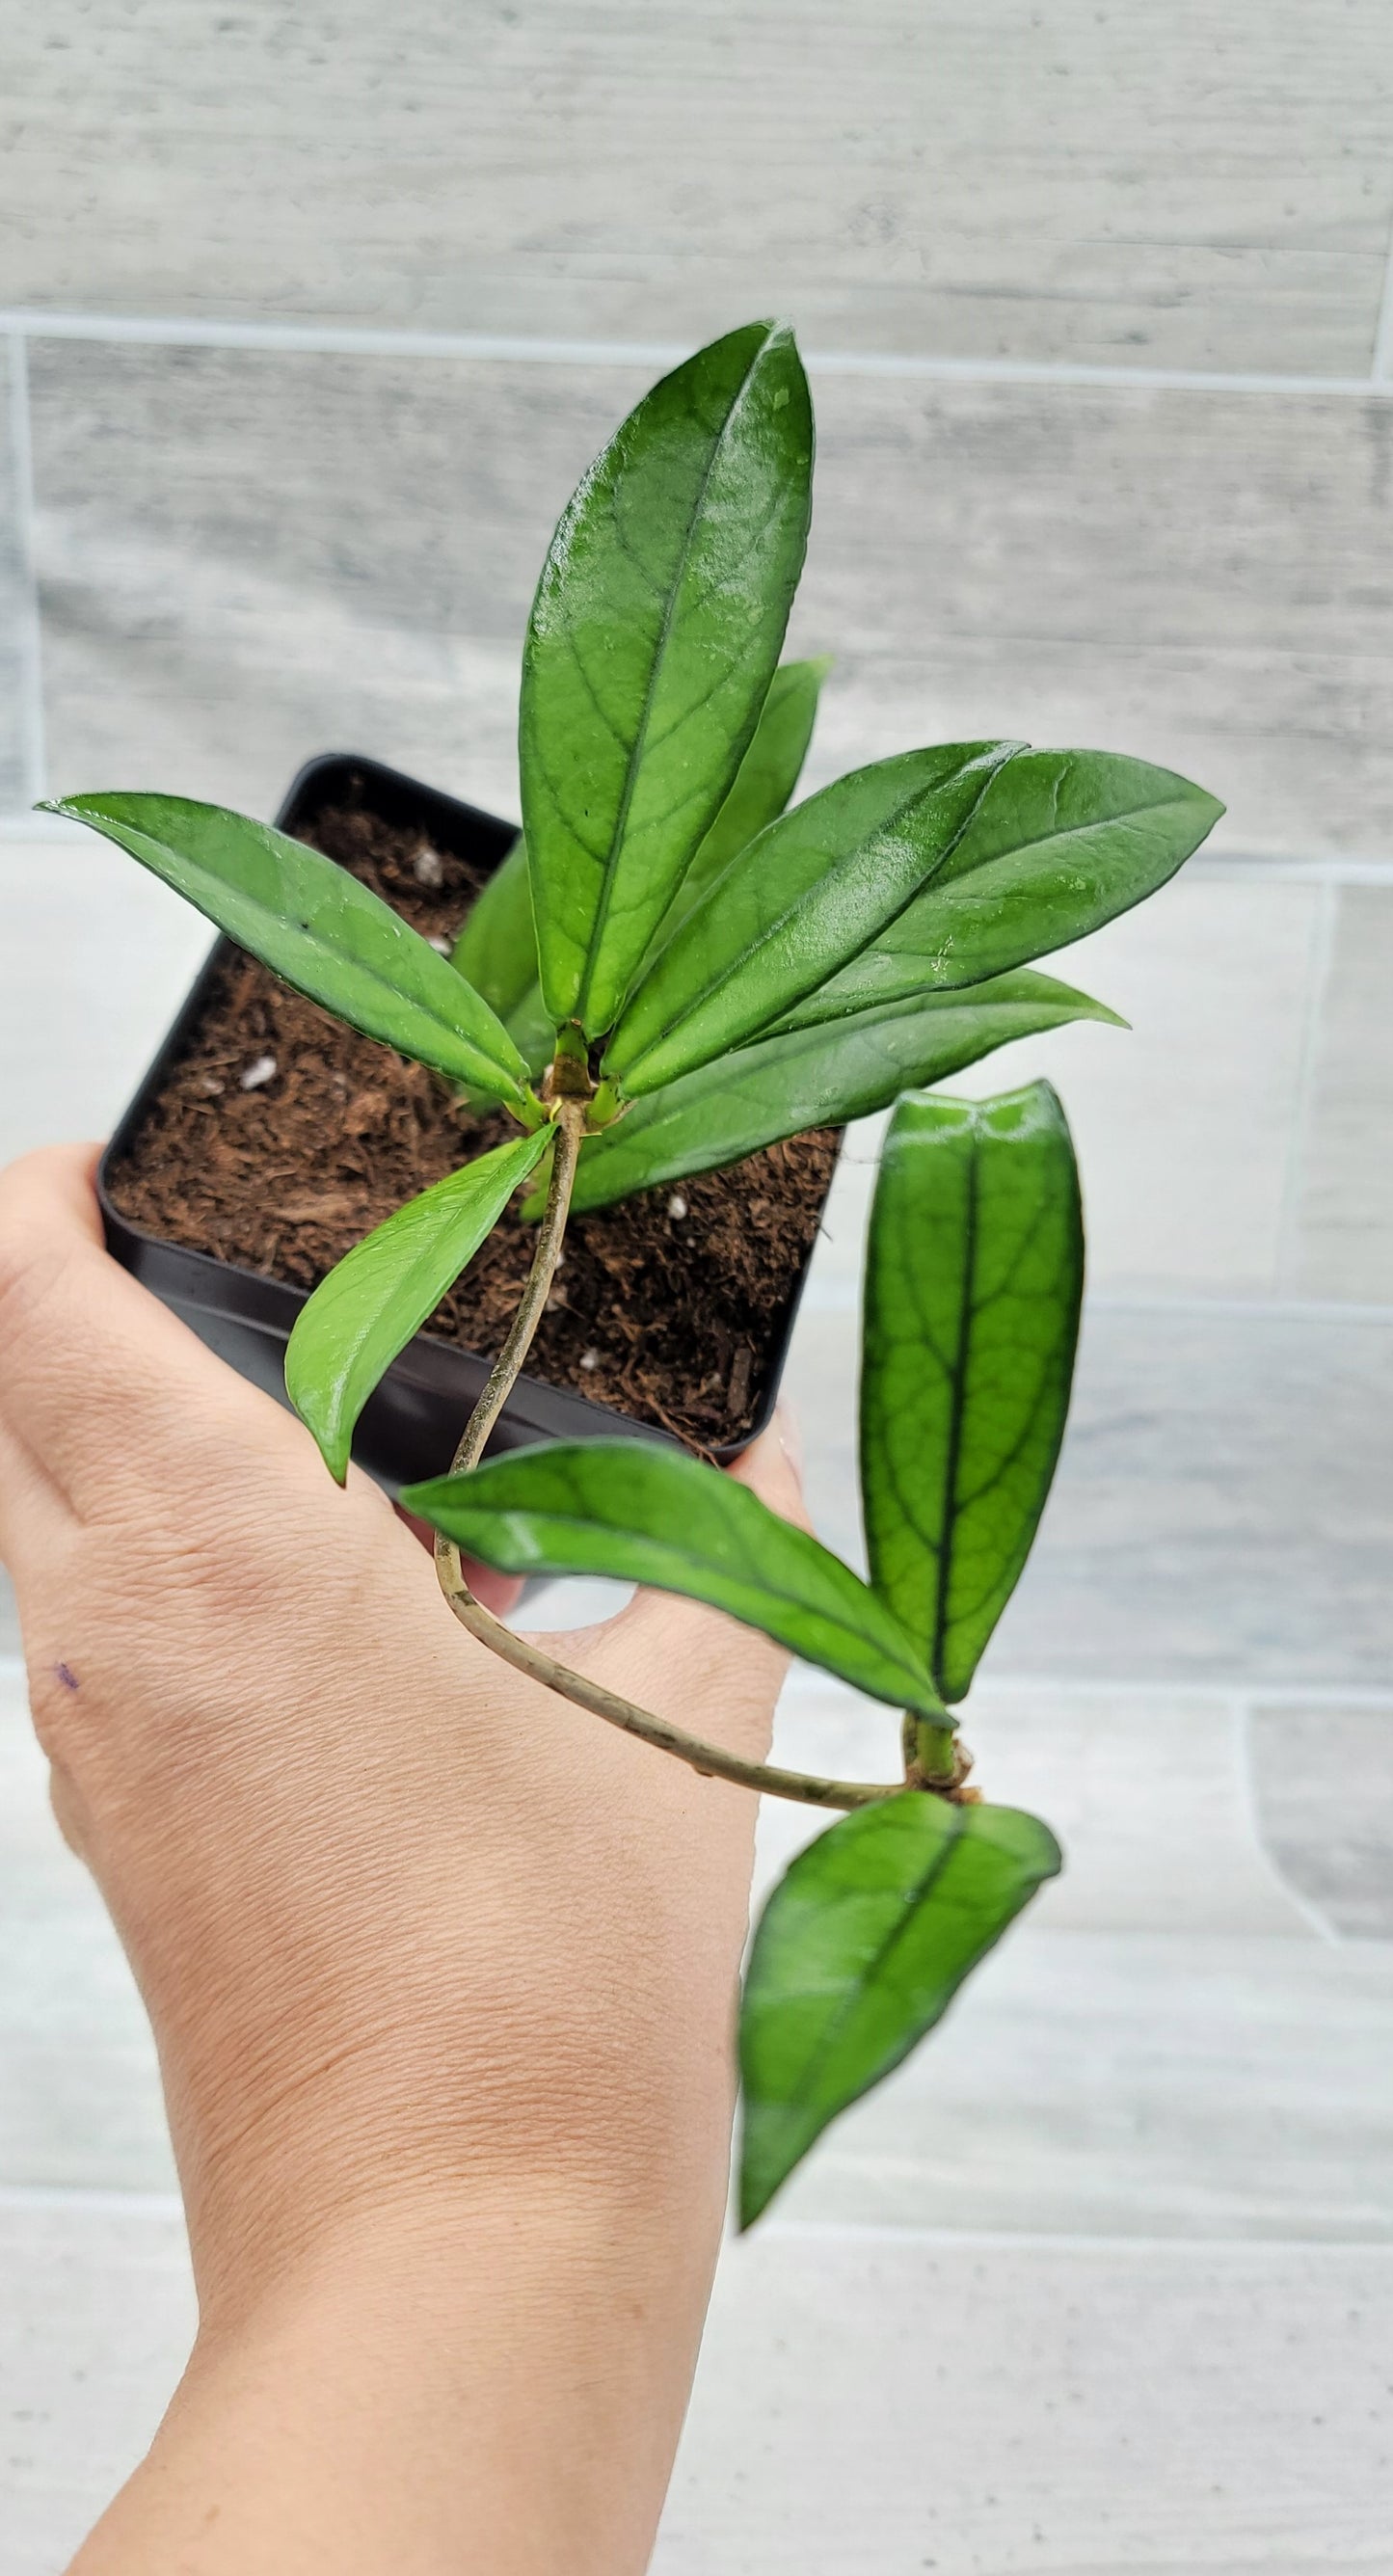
{"points": [[654, 637], [974, 1275], [1061, 842], [315, 926], [766, 779], [860, 1950], [371, 1303], [642, 1514], [496, 950], [795, 906], [817, 1077]]}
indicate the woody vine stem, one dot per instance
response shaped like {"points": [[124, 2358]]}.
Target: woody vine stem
{"points": [[568, 1114]]}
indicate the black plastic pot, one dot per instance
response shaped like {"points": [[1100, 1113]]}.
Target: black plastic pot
{"points": [[410, 1426]]}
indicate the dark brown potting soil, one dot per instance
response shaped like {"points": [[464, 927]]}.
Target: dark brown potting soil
{"points": [[281, 1137]]}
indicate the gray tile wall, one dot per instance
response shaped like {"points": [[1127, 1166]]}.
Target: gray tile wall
{"points": [[1210, 188], [1105, 395]]}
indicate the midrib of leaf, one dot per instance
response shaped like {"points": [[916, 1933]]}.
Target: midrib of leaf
{"points": [[340, 953], [957, 1408], [774, 1591], [635, 763], [1061, 831], [898, 1931]]}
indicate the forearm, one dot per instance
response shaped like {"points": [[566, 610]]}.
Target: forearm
{"points": [[492, 2383]]}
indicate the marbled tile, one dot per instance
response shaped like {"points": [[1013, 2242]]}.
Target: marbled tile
{"points": [[14, 602], [1323, 1788], [1148, 1792], [875, 2406], [96, 2318], [97, 957], [1342, 1236], [1203, 580], [1187, 1123], [1223, 1510], [249, 559], [246, 557], [985, 180], [864, 2405], [1134, 2084], [79, 2087], [1170, 2041]]}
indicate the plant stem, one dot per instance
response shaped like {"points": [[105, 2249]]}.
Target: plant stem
{"points": [[569, 1123], [708, 1759], [806, 1787]]}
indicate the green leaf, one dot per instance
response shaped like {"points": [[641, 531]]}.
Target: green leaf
{"points": [[654, 637], [648, 1515], [315, 926], [767, 777], [795, 907], [496, 950], [860, 1950], [385, 1288], [974, 1276], [1061, 842], [816, 1077]]}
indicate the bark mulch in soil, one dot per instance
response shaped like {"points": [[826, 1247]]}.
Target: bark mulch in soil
{"points": [[280, 1138]]}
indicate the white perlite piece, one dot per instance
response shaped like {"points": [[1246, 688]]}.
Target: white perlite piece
{"points": [[677, 1206], [262, 1070]]}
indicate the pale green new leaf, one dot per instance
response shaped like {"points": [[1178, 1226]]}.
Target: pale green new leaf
{"points": [[372, 1301], [314, 925], [1061, 842], [653, 640], [859, 1951], [642, 1514], [974, 1276], [496, 950], [779, 1086], [795, 906]]}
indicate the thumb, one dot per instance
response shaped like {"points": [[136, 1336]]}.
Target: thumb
{"points": [[717, 1677], [772, 1467]]}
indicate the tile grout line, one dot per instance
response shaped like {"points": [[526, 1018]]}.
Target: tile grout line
{"points": [[1241, 1722], [363, 340], [1381, 368], [32, 747], [1299, 1132], [990, 2240]]}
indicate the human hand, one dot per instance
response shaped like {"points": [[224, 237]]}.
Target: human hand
{"points": [[442, 1971]]}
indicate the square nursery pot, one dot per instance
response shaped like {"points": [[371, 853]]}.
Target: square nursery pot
{"points": [[410, 1426]]}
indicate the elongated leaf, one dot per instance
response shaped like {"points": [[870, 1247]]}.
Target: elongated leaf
{"points": [[496, 951], [860, 1950], [974, 1275], [383, 1290], [650, 1515], [817, 1077], [795, 906], [1061, 842], [766, 779], [654, 638], [318, 928]]}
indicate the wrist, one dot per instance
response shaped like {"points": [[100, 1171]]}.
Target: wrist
{"points": [[514, 2360]]}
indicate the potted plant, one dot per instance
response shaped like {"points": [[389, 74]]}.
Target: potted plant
{"points": [[676, 969]]}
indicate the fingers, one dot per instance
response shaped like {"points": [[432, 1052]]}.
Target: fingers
{"points": [[772, 1467], [716, 1677], [93, 1370]]}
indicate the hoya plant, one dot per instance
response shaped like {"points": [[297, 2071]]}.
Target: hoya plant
{"points": [[674, 967]]}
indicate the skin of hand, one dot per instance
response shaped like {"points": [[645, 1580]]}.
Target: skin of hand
{"points": [[442, 1970]]}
